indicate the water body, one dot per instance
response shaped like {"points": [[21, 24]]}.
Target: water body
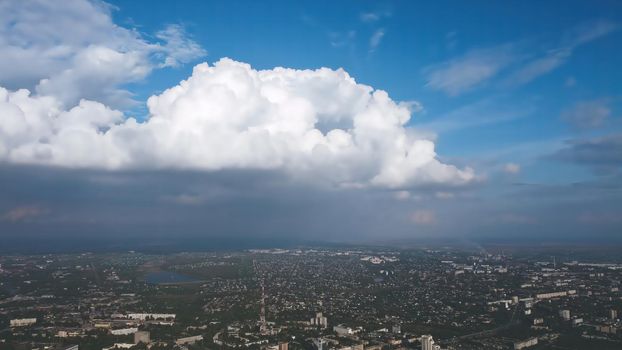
{"points": [[167, 277]]}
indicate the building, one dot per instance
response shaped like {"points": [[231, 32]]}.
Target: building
{"points": [[555, 294], [320, 344], [279, 346], [119, 346], [144, 316], [189, 340], [427, 342], [23, 322], [123, 331], [613, 314], [319, 320], [142, 337], [526, 343], [565, 314], [343, 330], [69, 333]]}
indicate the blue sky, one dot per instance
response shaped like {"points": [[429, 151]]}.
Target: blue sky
{"points": [[521, 103]]}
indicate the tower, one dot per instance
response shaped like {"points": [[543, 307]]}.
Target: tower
{"points": [[263, 328]]}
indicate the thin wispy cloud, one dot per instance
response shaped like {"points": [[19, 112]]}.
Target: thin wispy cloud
{"points": [[515, 60], [369, 17], [376, 39], [466, 72], [556, 57], [374, 16]]}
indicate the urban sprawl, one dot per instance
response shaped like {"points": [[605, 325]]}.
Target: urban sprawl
{"points": [[311, 299]]}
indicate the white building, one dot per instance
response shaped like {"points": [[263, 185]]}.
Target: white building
{"points": [[23, 322], [143, 316], [343, 330], [120, 346], [123, 331], [526, 343], [613, 314], [565, 314], [189, 340], [427, 342], [319, 320]]}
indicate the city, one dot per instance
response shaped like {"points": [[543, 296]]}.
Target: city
{"points": [[313, 298]]}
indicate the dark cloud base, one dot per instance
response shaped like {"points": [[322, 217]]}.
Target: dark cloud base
{"points": [[44, 209]]}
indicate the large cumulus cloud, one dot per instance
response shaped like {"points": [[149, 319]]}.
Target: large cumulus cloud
{"points": [[317, 124], [72, 49]]}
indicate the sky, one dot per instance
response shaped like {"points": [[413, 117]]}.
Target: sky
{"points": [[282, 121]]}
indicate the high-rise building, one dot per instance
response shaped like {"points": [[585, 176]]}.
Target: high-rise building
{"points": [[263, 325], [319, 320], [427, 342], [613, 314], [565, 314]]}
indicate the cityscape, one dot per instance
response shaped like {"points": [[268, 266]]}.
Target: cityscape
{"points": [[310, 175], [314, 298]]}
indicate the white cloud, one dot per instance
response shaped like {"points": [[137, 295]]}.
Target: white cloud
{"points": [[462, 74], [423, 217], [376, 39], [511, 168], [369, 17], [315, 124], [516, 60], [72, 50], [556, 57], [178, 48], [590, 31], [537, 67]]}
